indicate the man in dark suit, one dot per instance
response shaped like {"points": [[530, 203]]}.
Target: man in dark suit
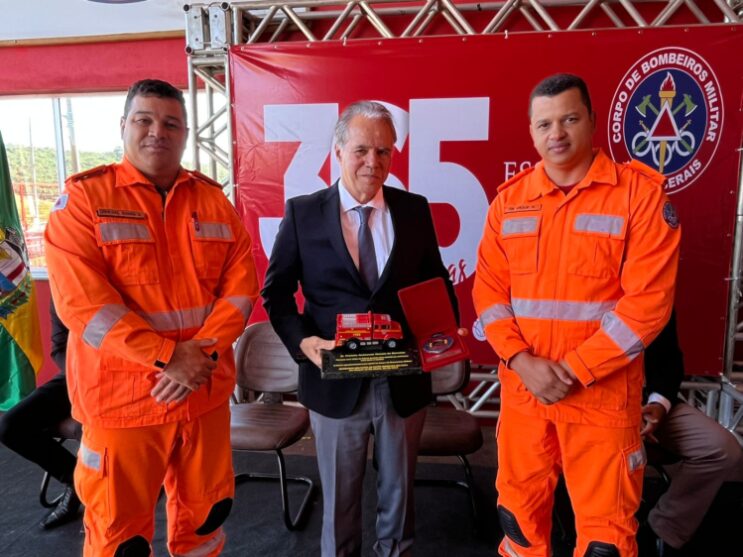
{"points": [[708, 454], [352, 247]]}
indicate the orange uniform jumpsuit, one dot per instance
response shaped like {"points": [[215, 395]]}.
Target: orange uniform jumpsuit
{"points": [[132, 272], [586, 279]]}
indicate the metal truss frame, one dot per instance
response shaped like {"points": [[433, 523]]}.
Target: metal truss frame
{"points": [[212, 27]]}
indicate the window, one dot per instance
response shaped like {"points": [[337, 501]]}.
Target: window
{"points": [[49, 138]]}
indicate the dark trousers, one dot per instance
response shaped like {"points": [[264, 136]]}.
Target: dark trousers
{"points": [[25, 428]]}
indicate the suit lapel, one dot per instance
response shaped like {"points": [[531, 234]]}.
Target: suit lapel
{"points": [[331, 217]]}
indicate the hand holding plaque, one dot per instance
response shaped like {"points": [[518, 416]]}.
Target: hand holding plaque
{"points": [[368, 345]]}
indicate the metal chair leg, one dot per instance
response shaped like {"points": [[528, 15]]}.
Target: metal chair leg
{"points": [[43, 493], [467, 484], [43, 490], [292, 523]]}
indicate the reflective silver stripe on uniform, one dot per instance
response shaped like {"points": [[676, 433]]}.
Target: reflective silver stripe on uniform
{"points": [[624, 337], [605, 224], [177, 320], [89, 457], [103, 321], [560, 310], [637, 459], [243, 304], [122, 231], [508, 548], [206, 548], [496, 312], [213, 230], [521, 225]]}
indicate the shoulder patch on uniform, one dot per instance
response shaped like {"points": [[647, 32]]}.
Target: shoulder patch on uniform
{"points": [[511, 181], [61, 202], [85, 174], [646, 171], [670, 215], [204, 178]]}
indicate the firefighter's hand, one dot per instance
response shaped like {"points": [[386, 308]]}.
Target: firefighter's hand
{"points": [[166, 390], [652, 416], [311, 346], [190, 366], [548, 381]]}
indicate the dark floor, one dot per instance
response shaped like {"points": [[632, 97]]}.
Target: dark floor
{"points": [[255, 527], [443, 520]]}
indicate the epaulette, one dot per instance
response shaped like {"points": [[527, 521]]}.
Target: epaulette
{"points": [[204, 178], [85, 174], [511, 181], [647, 171]]}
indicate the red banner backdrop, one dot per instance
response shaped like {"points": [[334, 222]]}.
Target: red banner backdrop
{"points": [[669, 97]]}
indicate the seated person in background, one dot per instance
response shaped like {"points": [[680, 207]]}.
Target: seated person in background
{"points": [[709, 454], [25, 429]]}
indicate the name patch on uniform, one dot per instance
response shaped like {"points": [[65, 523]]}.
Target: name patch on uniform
{"points": [[523, 208], [670, 215], [121, 213]]}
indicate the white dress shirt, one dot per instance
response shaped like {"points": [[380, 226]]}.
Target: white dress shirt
{"points": [[380, 223], [660, 399]]}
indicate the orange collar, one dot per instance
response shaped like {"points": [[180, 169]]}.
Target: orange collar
{"points": [[128, 175], [602, 171]]}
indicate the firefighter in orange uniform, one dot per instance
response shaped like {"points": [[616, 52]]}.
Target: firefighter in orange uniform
{"points": [[151, 270], [575, 277]]}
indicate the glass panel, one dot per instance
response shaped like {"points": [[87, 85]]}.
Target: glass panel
{"points": [[27, 125], [91, 136]]}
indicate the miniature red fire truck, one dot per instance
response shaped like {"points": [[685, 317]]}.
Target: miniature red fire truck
{"points": [[353, 330]]}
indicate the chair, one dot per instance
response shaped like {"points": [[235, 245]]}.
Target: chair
{"points": [[68, 428], [451, 432], [264, 365]]}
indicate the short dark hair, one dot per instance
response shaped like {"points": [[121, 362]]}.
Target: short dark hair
{"points": [[153, 88], [559, 83]]}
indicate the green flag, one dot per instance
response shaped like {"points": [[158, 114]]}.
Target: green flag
{"points": [[20, 339]]}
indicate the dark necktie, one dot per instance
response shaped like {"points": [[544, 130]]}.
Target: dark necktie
{"points": [[367, 254]]}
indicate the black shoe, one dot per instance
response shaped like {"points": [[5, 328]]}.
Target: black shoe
{"points": [[65, 511]]}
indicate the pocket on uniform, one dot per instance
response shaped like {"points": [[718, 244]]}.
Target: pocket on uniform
{"points": [[125, 390], [608, 394], [634, 461], [211, 242], [91, 481], [597, 245], [129, 250], [520, 237]]}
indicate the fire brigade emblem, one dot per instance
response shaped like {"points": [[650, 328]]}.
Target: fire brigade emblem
{"points": [[667, 112], [669, 215]]}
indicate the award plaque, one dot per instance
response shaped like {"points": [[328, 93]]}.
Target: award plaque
{"points": [[431, 317], [368, 345]]}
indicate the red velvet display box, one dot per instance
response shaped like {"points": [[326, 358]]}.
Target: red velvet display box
{"points": [[431, 318]]}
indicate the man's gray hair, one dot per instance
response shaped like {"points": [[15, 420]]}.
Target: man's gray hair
{"points": [[367, 109]]}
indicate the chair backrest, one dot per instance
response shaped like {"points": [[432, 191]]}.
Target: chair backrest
{"points": [[263, 363], [450, 378]]}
